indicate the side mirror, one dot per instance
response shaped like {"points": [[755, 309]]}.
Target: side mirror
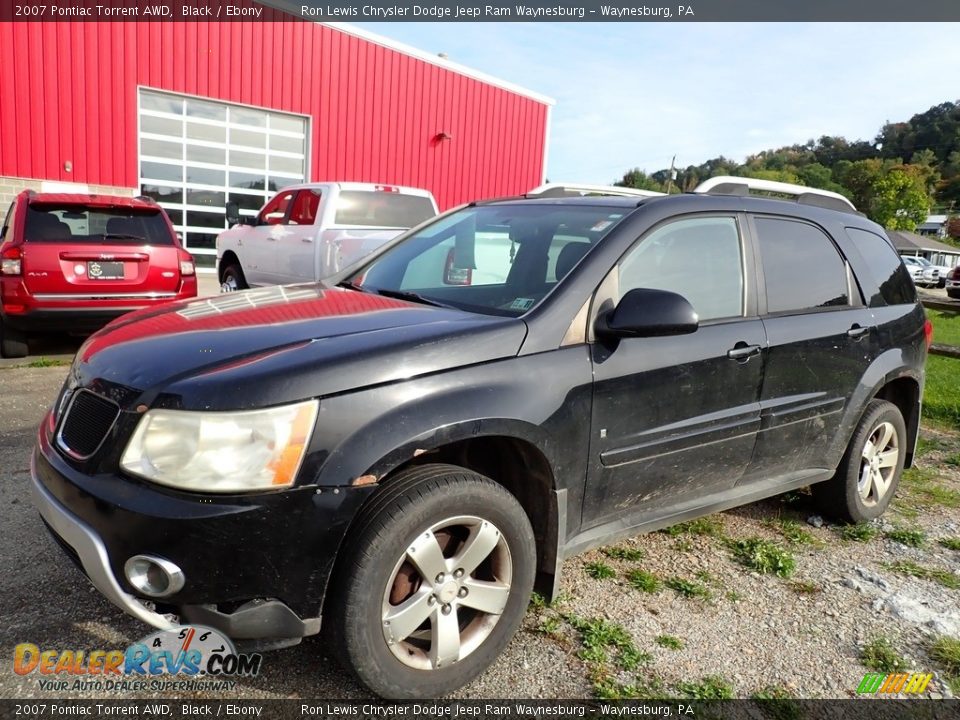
{"points": [[233, 213], [644, 312]]}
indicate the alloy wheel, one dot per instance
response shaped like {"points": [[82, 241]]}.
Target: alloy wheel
{"points": [[878, 463]]}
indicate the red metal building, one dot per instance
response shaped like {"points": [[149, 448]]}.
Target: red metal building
{"points": [[196, 113]]}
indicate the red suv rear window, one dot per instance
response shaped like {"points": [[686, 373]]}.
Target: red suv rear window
{"points": [[99, 225]]}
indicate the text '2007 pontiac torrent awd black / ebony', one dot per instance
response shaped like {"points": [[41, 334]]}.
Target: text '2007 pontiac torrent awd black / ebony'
{"points": [[410, 450]]}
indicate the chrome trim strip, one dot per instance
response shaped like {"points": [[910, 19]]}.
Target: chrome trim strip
{"points": [[62, 444], [111, 296], [91, 551]]}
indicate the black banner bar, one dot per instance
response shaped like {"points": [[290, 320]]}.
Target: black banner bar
{"points": [[481, 11]]}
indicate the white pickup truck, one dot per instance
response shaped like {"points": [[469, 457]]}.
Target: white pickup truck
{"points": [[309, 232]]}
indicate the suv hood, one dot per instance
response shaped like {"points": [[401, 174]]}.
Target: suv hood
{"points": [[281, 344]]}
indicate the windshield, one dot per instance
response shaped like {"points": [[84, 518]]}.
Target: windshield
{"points": [[494, 259], [82, 224], [382, 209]]}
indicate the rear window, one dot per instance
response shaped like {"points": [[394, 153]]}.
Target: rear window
{"points": [[81, 224], [382, 209], [893, 279]]}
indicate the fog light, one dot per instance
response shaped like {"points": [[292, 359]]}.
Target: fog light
{"points": [[154, 576]]}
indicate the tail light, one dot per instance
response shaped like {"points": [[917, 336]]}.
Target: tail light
{"points": [[453, 275], [928, 333], [187, 266], [11, 261]]}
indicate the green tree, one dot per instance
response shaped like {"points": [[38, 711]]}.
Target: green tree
{"points": [[899, 199], [638, 179]]}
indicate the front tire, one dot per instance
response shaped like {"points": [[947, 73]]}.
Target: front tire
{"points": [[13, 343], [232, 279], [869, 473], [441, 568]]}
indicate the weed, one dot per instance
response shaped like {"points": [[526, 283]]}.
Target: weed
{"points": [[944, 577], [861, 532], [953, 460], [596, 655], [946, 651], [631, 658], [878, 655], [907, 536], [772, 692], [43, 362], [624, 553], [687, 588], [804, 587], [794, 532], [599, 570], [952, 543], [706, 577], [669, 641], [939, 495], [734, 596], [549, 625], [712, 687], [644, 581], [537, 601], [763, 556], [926, 445], [710, 525]]}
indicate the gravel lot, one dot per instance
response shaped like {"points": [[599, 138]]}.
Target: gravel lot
{"points": [[801, 635]]}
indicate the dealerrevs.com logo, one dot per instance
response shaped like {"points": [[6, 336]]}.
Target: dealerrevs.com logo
{"points": [[198, 657]]}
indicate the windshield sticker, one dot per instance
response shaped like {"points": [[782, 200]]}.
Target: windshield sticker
{"points": [[602, 225], [522, 304]]}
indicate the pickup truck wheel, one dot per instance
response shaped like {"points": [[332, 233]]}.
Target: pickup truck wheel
{"points": [[870, 470], [13, 343], [233, 279], [439, 578]]}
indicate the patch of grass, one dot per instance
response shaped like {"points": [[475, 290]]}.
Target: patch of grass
{"points": [[946, 651], [861, 532], [606, 688], [778, 703], [670, 642], [772, 692], [951, 543], [537, 601], [804, 587], [631, 658], [880, 656], [907, 536], [549, 625], [763, 556], [733, 596], [939, 495], [794, 532], [644, 581], [688, 588], [712, 687], [599, 570], [926, 445], [952, 460], [624, 553], [944, 577], [710, 525], [43, 362], [595, 655], [941, 392], [599, 632]]}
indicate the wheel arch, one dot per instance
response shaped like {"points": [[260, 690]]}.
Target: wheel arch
{"points": [[228, 258], [904, 392]]}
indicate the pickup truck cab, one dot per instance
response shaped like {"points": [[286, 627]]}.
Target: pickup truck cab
{"points": [[309, 232]]}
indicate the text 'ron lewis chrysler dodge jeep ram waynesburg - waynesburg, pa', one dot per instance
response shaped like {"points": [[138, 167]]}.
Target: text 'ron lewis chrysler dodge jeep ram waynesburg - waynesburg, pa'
{"points": [[410, 448]]}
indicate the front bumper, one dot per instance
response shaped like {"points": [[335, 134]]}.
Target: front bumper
{"points": [[256, 567]]}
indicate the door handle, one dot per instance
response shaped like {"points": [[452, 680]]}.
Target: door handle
{"points": [[857, 331], [309, 240], [742, 351]]}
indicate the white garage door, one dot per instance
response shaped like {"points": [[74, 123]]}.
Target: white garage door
{"points": [[195, 155]]}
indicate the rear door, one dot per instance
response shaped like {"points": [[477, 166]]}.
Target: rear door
{"points": [[297, 246], [820, 345], [675, 418], [78, 251]]}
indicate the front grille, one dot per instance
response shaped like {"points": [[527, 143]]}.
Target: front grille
{"points": [[86, 422]]}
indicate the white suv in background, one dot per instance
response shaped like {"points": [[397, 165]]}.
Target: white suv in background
{"points": [[924, 273]]}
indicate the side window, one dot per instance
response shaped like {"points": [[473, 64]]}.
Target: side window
{"points": [[305, 208], [802, 268], [276, 210], [888, 271], [6, 222], [698, 258]]}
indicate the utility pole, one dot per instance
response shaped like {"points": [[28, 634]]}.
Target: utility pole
{"points": [[673, 174]]}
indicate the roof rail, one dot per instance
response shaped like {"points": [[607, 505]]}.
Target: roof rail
{"points": [[728, 185], [582, 190]]}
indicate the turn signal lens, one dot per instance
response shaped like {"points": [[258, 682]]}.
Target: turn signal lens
{"points": [[11, 262]]}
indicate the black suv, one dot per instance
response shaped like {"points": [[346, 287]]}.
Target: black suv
{"points": [[411, 448]]}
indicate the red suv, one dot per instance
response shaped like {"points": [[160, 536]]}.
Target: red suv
{"points": [[71, 263]]}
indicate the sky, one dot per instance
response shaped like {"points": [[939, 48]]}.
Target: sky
{"points": [[635, 94]]}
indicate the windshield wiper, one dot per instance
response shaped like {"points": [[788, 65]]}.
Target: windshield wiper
{"points": [[412, 296], [123, 236]]}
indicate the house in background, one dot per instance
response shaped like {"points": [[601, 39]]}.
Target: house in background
{"points": [[935, 225], [936, 252]]}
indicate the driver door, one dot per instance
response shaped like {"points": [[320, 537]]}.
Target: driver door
{"points": [[675, 418], [261, 242]]}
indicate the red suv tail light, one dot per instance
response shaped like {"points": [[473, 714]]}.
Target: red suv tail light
{"points": [[10, 262], [187, 266], [928, 332]]}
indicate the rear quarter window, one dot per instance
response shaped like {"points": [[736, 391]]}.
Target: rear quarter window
{"points": [[382, 209], [886, 267]]}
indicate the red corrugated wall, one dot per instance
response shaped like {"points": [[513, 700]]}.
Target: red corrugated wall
{"points": [[68, 92]]}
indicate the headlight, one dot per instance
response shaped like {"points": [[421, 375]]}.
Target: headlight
{"points": [[221, 451]]}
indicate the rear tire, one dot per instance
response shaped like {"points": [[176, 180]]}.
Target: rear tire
{"points": [[413, 625], [13, 343], [955, 294], [233, 279], [869, 473]]}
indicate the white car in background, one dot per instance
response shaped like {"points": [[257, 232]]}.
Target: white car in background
{"points": [[924, 273]]}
